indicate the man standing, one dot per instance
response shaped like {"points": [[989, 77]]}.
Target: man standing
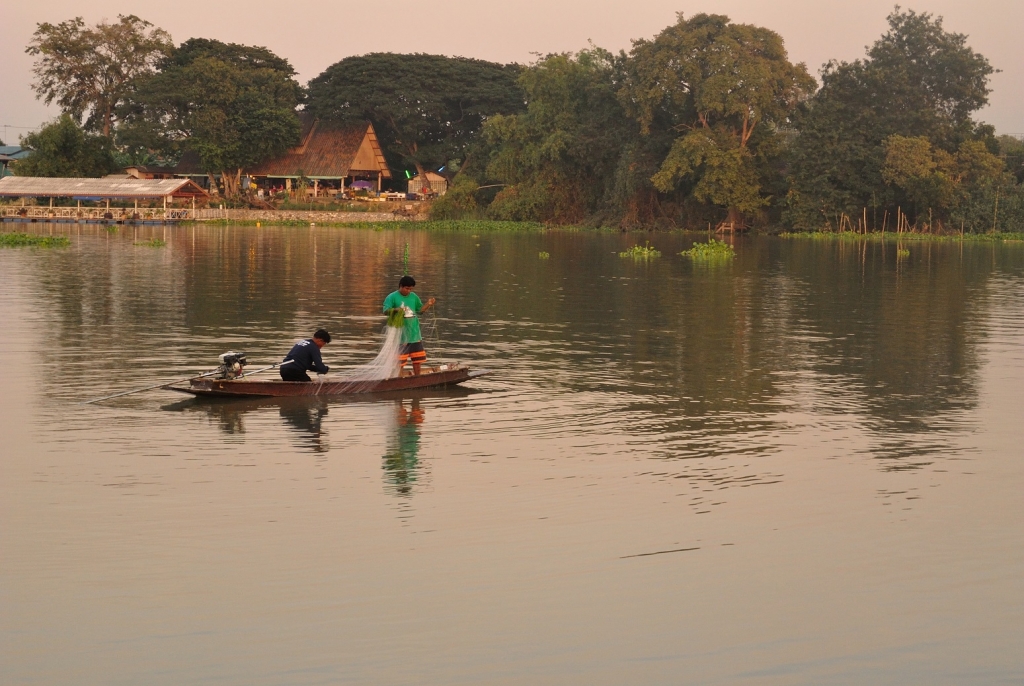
{"points": [[411, 305], [305, 356]]}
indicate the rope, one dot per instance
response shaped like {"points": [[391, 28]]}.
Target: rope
{"points": [[436, 338]]}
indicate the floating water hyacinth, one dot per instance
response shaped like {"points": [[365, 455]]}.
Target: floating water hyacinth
{"points": [[152, 243], [543, 255], [17, 240], [712, 250], [641, 252]]}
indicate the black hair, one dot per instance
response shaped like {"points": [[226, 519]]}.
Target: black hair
{"points": [[406, 282], [322, 335]]}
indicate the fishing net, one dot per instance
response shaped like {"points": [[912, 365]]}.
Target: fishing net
{"points": [[385, 365]]}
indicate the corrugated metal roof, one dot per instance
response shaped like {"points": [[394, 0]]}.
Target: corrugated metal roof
{"points": [[327, 151], [120, 187]]}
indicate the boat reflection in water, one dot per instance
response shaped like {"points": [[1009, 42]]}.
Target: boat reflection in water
{"points": [[307, 420], [306, 417]]}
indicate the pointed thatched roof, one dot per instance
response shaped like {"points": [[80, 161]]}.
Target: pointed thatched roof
{"points": [[327, 151]]}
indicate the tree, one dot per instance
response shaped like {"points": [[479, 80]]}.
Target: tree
{"points": [[233, 105], [426, 109], [63, 149], [725, 89], [917, 80], [89, 71], [925, 174], [951, 184], [1011, 149], [559, 158]]}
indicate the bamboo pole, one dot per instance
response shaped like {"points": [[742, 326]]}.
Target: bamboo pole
{"points": [[995, 213]]}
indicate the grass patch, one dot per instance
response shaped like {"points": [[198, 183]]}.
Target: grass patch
{"points": [[712, 250], [641, 252], [906, 236], [152, 243], [18, 240]]}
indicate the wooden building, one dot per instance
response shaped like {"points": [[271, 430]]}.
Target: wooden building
{"points": [[150, 172], [331, 156]]}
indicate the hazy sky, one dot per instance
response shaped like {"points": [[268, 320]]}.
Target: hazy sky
{"points": [[314, 35]]}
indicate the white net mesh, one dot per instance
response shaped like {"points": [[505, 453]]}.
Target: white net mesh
{"points": [[385, 365]]}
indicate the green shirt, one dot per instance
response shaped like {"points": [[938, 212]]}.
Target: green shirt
{"points": [[412, 305]]}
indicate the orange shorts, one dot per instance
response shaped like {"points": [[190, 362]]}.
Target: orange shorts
{"points": [[412, 352]]}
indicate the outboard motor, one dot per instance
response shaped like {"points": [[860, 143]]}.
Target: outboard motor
{"points": [[231, 365]]}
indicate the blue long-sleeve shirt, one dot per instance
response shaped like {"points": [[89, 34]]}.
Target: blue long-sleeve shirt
{"points": [[305, 356]]}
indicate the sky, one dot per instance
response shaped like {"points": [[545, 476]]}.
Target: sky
{"points": [[315, 35]]}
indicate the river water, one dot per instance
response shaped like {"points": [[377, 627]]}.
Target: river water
{"points": [[804, 467]]}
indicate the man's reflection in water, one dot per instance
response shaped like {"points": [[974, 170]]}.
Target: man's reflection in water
{"points": [[401, 462], [307, 419]]}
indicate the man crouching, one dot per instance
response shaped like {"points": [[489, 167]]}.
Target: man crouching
{"points": [[305, 357]]}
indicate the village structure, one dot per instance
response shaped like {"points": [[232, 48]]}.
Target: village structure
{"points": [[332, 162], [11, 154], [330, 159], [163, 199]]}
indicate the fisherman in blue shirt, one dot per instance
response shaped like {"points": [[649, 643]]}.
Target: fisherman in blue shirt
{"points": [[305, 357]]}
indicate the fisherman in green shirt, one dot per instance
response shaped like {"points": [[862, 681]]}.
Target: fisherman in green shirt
{"points": [[411, 305]]}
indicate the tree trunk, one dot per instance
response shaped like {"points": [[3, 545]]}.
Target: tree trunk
{"points": [[421, 174], [231, 182], [734, 218]]}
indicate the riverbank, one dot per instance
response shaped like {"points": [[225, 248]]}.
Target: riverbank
{"points": [[460, 225], [903, 237], [289, 217]]}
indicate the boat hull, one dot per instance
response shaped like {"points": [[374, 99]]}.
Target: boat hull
{"points": [[247, 388]]}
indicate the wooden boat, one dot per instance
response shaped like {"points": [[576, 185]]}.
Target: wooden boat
{"points": [[431, 377]]}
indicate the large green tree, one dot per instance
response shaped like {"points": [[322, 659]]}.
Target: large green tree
{"points": [[426, 109], [233, 105], [725, 89], [558, 159], [63, 149], [917, 80], [89, 71]]}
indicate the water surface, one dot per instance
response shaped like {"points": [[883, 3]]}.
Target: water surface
{"points": [[803, 467]]}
